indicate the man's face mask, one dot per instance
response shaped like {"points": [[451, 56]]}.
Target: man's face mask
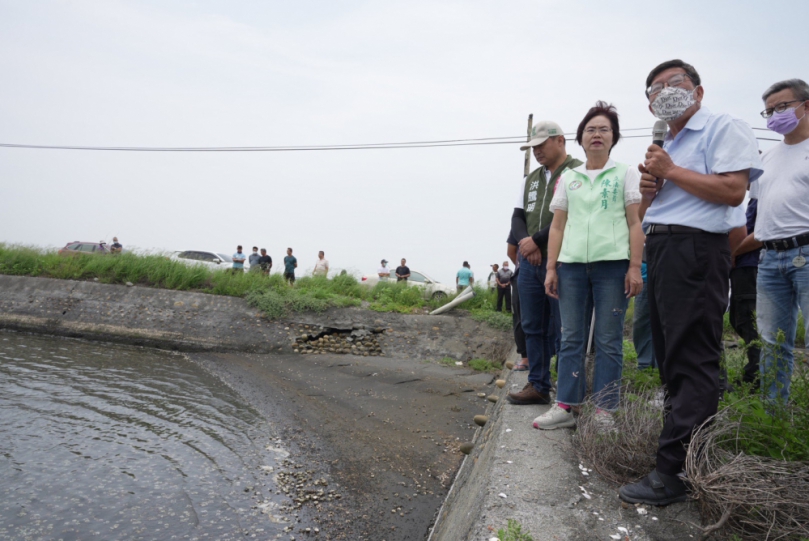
{"points": [[786, 121], [672, 102]]}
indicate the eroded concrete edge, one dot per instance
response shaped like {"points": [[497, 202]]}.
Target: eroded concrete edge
{"points": [[464, 502]]}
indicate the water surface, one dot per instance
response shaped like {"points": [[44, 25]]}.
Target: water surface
{"points": [[99, 441]]}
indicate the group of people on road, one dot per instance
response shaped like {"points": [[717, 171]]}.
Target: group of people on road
{"points": [[263, 263], [672, 232]]}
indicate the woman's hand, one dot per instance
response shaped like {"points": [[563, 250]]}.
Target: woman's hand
{"points": [[633, 283], [552, 283]]}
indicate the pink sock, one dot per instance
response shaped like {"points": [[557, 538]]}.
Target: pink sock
{"points": [[564, 406]]}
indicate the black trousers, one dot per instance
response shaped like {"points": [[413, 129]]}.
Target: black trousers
{"points": [[519, 335], [743, 318], [503, 293], [688, 294]]}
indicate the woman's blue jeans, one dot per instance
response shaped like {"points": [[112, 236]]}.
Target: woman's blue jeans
{"points": [[583, 286]]}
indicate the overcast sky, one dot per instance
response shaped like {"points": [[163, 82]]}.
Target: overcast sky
{"points": [[256, 73]]}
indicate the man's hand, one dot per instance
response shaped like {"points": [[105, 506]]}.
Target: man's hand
{"points": [[658, 162], [648, 184], [530, 251]]}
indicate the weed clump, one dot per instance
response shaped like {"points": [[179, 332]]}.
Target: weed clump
{"points": [[513, 532], [483, 365]]}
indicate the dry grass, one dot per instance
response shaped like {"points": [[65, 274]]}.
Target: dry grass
{"points": [[626, 453], [754, 497]]}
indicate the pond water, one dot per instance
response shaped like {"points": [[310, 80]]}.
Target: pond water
{"points": [[106, 442]]}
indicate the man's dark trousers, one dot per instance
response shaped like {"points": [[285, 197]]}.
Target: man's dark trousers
{"points": [[519, 335], [504, 293], [688, 294], [537, 311], [742, 317]]}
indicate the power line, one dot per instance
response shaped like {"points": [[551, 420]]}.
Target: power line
{"points": [[302, 148]]}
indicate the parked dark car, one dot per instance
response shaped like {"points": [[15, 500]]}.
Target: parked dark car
{"points": [[78, 247]]}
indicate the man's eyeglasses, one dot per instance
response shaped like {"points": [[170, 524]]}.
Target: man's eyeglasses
{"points": [[674, 80], [602, 130], [780, 108]]}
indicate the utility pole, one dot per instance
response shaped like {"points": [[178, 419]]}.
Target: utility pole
{"points": [[527, 166]]}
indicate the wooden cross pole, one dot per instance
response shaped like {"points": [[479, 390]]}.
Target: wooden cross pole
{"points": [[527, 166]]}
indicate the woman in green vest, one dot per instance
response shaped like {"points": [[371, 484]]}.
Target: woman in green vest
{"points": [[594, 259]]}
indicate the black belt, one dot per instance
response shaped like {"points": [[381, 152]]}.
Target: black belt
{"points": [[658, 229], [782, 245]]}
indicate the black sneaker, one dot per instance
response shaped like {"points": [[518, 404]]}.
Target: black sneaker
{"points": [[655, 489]]}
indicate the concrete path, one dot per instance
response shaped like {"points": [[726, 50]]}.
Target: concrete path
{"points": [[532, 476]]}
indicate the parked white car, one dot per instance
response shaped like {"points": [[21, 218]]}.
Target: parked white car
{"points": [[433, 289], [212, 260]]}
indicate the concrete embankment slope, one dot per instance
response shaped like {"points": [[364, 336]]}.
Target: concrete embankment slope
{"points": [[189, 321]]}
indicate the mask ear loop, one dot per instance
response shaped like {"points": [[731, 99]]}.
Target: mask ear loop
{"points": [[804, 110]]}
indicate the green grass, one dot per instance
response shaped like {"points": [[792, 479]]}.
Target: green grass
{"points": [[270, 294], [483, 365], [771, 429], [447, 361], [513, 532]]}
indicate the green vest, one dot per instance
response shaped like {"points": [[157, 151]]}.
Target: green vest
{"points": [[538, 194], [596, 227]]}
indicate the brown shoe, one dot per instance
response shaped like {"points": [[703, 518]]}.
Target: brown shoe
{"points": [[528, 395]]}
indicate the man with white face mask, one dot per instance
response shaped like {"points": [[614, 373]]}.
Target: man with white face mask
{"points": [[782, 227], [692, 189]]}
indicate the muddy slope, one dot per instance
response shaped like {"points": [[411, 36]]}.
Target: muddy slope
{"points": [[384, 432]]}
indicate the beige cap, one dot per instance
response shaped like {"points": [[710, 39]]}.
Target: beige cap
{"points": [[541, 132]]}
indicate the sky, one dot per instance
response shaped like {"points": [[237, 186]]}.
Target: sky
{"points": [[255, 73]]}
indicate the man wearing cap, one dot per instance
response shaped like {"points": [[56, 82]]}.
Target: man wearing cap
{"points": [[530, 225], [116, 247], [692, 188], [253, 260], [383, 272]]}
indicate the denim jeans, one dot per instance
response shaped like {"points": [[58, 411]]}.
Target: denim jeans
{"points": [[537, 314], [781, 289], [642, 331], [581, 287]]}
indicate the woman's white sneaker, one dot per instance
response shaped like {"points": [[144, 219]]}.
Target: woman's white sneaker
{"points": [[556, 417]]}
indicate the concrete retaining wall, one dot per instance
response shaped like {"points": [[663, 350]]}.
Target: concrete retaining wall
{"points": [[136, 315]]}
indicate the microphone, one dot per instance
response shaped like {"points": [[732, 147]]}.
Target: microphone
{"points": [[658, 134]]}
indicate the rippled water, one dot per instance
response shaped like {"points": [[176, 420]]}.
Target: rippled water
{"points": [[106, 442]]}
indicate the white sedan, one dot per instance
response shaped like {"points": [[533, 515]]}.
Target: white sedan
{"points": [[433, 289], [212, 260]]}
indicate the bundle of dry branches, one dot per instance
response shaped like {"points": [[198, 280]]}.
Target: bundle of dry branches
{"points": [[754, 497], [624, 450]]}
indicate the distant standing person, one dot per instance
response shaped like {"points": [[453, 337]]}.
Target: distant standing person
{"points": [[503, 279], [383, 272], [465, 277], [290, 264], [402, 271], [265, 262], [116, 247], [321, 265], [253, 260], [238, 260]]}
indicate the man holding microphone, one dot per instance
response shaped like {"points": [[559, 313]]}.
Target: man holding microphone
{"points": [[692, 188]]}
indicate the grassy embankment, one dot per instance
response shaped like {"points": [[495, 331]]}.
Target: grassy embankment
{"points": [[271, 294]]}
